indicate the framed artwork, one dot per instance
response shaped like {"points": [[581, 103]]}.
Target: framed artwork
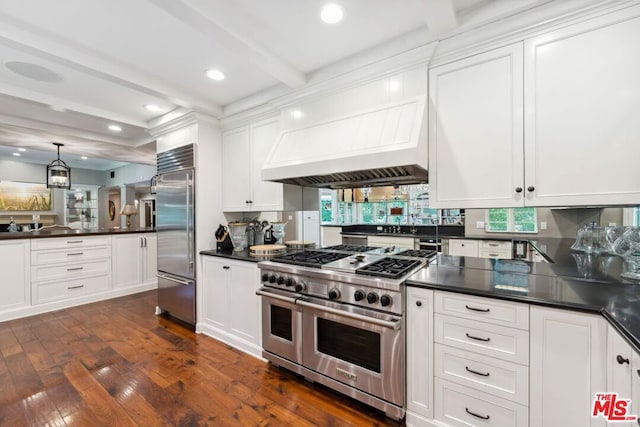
{"points": [[24, 196], [112, 210]]}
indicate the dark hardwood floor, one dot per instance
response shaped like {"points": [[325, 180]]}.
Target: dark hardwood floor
{"points": [[116, 363]]}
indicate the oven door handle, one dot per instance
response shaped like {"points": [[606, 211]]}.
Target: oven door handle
{"points": [[275, 296], [395, 325]]}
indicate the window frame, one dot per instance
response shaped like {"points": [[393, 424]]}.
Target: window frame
{"points": [[510, 221]]}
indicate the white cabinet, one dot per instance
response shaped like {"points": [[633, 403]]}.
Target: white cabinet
{"points": [[462, 247], [476, 131], [398, 242], [481, 361], [580, 113], [494, 249], [64, 269], [419, 355], [568, 366], [331, 235], [230, 309], [15, 285], [527, 124], [243, 153], [134, 259], [623, 372]]}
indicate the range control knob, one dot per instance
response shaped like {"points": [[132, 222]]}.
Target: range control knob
{"points": [[272, 278], [372, 298], [334, 294], [300, 287], [265, 277], [280, 280], [289, 281], [385, 300], [358, 295]]}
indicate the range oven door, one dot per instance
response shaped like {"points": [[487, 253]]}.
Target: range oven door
{"points": [[361, 348], [281, 324]]}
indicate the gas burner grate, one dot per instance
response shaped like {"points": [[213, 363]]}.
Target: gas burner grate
{"points": [[309, 258], [392, 268], [352, 248]]}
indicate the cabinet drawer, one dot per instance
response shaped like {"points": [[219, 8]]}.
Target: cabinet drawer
{"points": [[491, 340], [463, 247], [495, 245], [456, 405], [69, 242], [503, 313], [399, 242], [58, 256], [494, 253], [69, 271], [497, 377], [57, 291]]}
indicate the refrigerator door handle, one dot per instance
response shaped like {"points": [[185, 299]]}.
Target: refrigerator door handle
{"points": [[190, 222], [174, 279]]}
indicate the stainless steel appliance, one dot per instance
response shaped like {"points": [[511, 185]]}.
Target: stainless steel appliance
{"points": [[175, 204], [337, 318]]}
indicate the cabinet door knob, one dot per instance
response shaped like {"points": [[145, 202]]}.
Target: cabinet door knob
{"points": [[225, 267], [621, 360], [531, 188], [419, 303], [518, 189]]}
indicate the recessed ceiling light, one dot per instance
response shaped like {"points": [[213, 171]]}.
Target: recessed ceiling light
{"points": [[332, 13], [152, 107], [17, 154], [215, 74], [84, 157], [115, 128], [22, 149]]}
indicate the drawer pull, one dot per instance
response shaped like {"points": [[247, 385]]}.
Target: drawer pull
{"points": [[483, 417], [75, 287], [494, 244], [482, 310], [75, 269], [478, 339], [419, 304], [74, 241], [494, 255], [476, 372], [621, 360], [75, 254]]}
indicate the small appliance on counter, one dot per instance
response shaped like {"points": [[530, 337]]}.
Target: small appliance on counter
{"points": [[223, 241]]}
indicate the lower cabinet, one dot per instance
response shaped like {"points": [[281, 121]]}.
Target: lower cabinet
{"points": [[15, 286], [568, 367], [229, 307], [419, 356], [134, 259], [623, 375]]}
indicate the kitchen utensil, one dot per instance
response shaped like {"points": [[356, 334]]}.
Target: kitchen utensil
{"points": [[223, 241]]}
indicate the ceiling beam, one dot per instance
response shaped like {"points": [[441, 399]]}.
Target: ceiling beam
{"points": [[441, 16], [218, 27]]}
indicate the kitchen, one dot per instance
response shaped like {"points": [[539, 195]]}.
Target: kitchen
{"points": [[502, 111]]}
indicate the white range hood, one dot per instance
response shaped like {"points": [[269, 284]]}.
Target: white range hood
{"points": [[386, 145]]}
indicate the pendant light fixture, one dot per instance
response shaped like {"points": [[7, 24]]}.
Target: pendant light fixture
{"points": [[58, 173]]}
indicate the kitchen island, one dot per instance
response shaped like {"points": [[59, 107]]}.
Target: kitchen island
{"points": [[53, 269]]}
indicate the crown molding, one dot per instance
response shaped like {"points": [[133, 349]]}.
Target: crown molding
{"points": [[176, 120]]}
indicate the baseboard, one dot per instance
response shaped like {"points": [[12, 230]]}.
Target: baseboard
{"points": [[230, 339]]}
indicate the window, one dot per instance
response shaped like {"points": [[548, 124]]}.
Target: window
{"points": [[516, 220]]}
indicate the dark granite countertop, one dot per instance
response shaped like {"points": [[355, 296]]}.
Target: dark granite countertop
{"points": [[238, 256], [558, 285], [74, 233]]}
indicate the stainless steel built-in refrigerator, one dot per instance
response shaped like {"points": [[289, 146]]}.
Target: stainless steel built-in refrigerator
{"points": [[175, 223]]}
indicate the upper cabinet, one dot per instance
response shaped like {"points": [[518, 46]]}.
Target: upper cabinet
{"points": [[243, 152], [550, 122], [582, 94], [476, 131]]}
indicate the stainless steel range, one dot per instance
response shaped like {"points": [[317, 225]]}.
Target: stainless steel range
{"points": [[337, 318]]}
